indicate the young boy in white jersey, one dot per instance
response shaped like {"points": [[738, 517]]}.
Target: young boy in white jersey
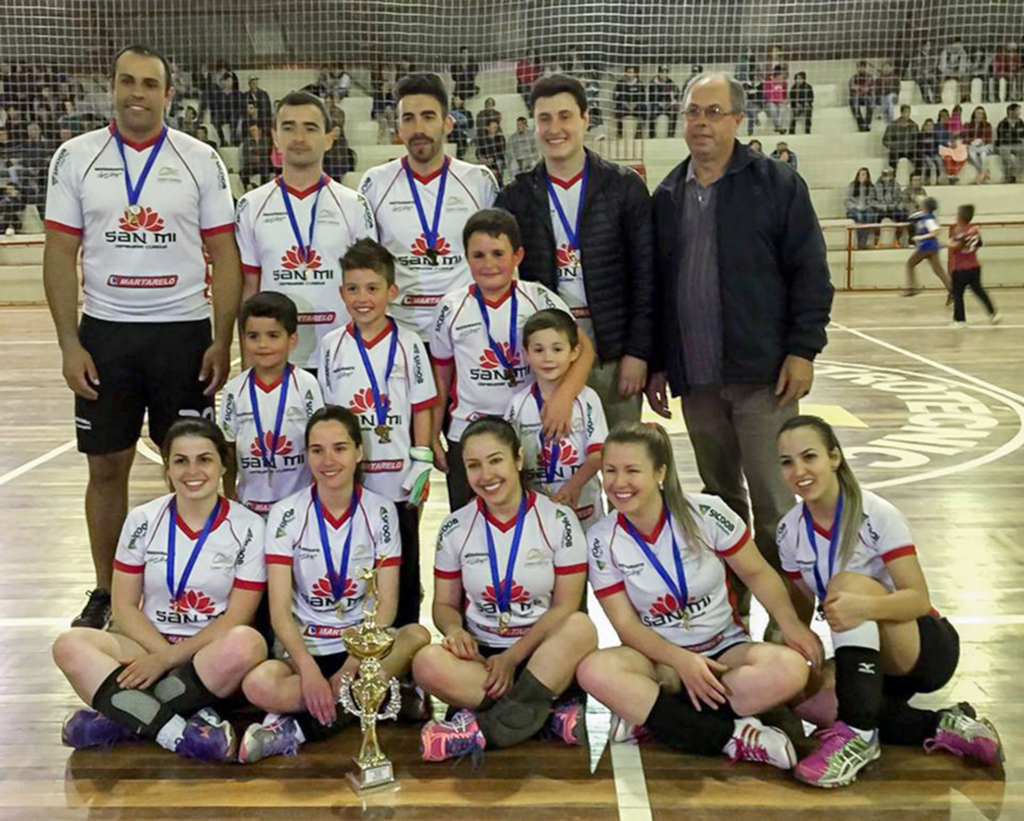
{"points": [[477, 349], [380, 371], [566, 468], [264, 409]]}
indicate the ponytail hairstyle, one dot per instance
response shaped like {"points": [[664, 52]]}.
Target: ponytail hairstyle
{"points": [[501, 430], [656, 442], [853, 498]]}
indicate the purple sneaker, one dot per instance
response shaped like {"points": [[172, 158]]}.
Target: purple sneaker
{"points": [[208, 737], [87, 728], [962, 733], [566, 723], [260, 741]]}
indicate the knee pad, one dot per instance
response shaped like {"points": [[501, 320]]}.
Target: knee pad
{"points": [[183, 691]]}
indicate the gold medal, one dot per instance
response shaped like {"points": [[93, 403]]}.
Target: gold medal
{"points": [[504, 622], [383, 434]]}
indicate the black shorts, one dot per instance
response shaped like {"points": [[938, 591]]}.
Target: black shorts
{"points": [[143, 366], [331, 664], [940, 654]]}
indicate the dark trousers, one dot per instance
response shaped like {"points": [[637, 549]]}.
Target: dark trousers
{"points": [[409, 588], [798, 115], [460, 493], [962, 280], [863, 109]]}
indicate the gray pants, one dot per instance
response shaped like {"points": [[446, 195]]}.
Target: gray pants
{"points": [[1011, 156], [604, 379], [733, 431]]}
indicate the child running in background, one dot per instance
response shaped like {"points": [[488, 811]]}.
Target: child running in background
{"points": [[965, 268], [926, 237]]}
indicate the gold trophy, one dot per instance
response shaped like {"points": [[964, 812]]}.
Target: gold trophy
{"points": [[364, 695]]}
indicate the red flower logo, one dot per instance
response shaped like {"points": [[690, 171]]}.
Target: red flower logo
{"points": [[322, 588], [566, 257], [146, 220], [665, 606], [284, 446], [519, 594], [567, 454], [195, 601], [490, 361], [419, 246], [363, 401], [294, 259]]}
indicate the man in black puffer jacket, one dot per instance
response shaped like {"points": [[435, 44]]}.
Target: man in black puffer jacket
{"points": [[598, 258]]}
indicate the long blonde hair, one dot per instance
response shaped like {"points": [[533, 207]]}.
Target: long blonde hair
{"points": [[853, 497], [654, 438]]}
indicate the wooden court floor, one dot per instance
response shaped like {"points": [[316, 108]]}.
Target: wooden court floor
{"points": [[932, 417]]}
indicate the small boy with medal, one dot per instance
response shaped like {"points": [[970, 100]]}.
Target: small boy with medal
{"points": [[381, 372], [264, 410], [476, 344]]}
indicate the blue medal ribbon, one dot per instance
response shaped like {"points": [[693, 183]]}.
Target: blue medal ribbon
{"points": [[337, 580], [380, 403], [430, 232], [556, 450], [135, 191], [680, 589], [495, 347], [503, 592], [177, 591], [269, 459], [571, 231], [304, 249], [833, 547]]}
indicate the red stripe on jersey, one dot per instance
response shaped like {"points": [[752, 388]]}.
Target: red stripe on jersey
{"points": [[128, 568], [505, 527], [419, 177], [221, 516], [743, 540], [494, 303], [442, 360], [336, 523], [447, 574], [570, 569], [217, 229], [267, 387], [242, 584], [566, 184], [251, 269], [732, 604], [426, 403], [371, 342], [618, 587], [796, 575], [275, 559], [652, 537], [393, 561], [899, 553], [132, 143], [594, 448], [53, 225]]}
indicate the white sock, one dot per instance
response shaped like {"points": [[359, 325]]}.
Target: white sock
{"points": [[301, 736], [171, 733], [867, 735], [271, 718]]}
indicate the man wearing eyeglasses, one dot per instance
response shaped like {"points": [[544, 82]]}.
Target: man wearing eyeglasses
{"points": [[746, 298]]}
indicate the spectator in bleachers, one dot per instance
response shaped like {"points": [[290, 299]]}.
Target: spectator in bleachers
{"points": [[484, 117], [339, 158], [464, 76], [522, 148], [490, 150], [592, 88], [747, 74], [914, 193], [185, 83], [8, 148], [862, 96], [978, 136], [942, 127], [11, 209], [227, 109], [204, 136], [927, 159], [890, 204], [462, 128], [256, 96], [16, 124], [954, 158], [887, 92], [982, 66], [756, 147], [955, 64], [1007, 67], [72, 119], [382, 85], [628, 101], [189, 120], [35, 156], [801, 102], [860, 204], [783, 147], [404, 67], [254, 160], [1010, 143], [339, 83], [924, 69], [528, 70], [335, 113], [663, 98], [901, 138], [776, 94]]}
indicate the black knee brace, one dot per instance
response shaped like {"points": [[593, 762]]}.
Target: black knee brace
{"points": [[183, 691], [135, 710]]}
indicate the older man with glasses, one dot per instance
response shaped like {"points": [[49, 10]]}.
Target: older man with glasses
{"points": [[746, 297]]}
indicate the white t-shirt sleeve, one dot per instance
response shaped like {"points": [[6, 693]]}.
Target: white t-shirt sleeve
{"points": [[931, 225], [245, 235], [316, 397], [229, 412], [894, 537], [447, 563], [278, 543], [441, 338], [361, 219], [368, 191], [422, 389], [605, 576], [594, 424], [389, 542], [131, 546], [488, 188], [251, 570], [216, 207], [63, 194], [785, 538], [571, 548], [725, 531], [549, 299]]}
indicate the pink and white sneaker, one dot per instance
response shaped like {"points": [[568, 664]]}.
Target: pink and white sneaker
{"points": [[566, 723], [963, 734], [843, 753], [460, 736], [753, 741], [624, 732]]}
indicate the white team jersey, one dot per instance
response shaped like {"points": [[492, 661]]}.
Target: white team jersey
{"points": [[232, 557], [459, 335], [293, 538], [618, 564], [268, 247], [552, 544], [884, 536], [260, 485], [410, 389], [147, 267], [589, 430], [570, 261], [421, 283]]}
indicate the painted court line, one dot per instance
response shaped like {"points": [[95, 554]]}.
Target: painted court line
{"points": [[46, 457]]}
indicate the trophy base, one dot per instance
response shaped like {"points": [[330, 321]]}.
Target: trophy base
{"points": [[378, 777]]}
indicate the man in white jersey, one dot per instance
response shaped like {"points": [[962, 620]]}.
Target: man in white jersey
{"points": [[142, 202], [422, 201], [293, 230]]}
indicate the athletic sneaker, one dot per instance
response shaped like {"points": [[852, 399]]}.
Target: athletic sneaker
{"points": [[87, 728], [208, 737], [962, 733], [566, 723], [957, 323], [842, 754], [624, 732], [440, 740], [753, 741], [96, 612], [416, 706], [912, 291], [281, 737], [995, 318]]}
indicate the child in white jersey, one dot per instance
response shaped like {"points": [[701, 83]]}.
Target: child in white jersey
{"points": [[853, 552], [687, 671], [379, 370], [564, 468], [477, 343], [319, 542], [188, 577], [264, 409]]}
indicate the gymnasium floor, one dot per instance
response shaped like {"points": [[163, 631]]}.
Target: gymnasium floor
{"points": [[890, 367]]}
